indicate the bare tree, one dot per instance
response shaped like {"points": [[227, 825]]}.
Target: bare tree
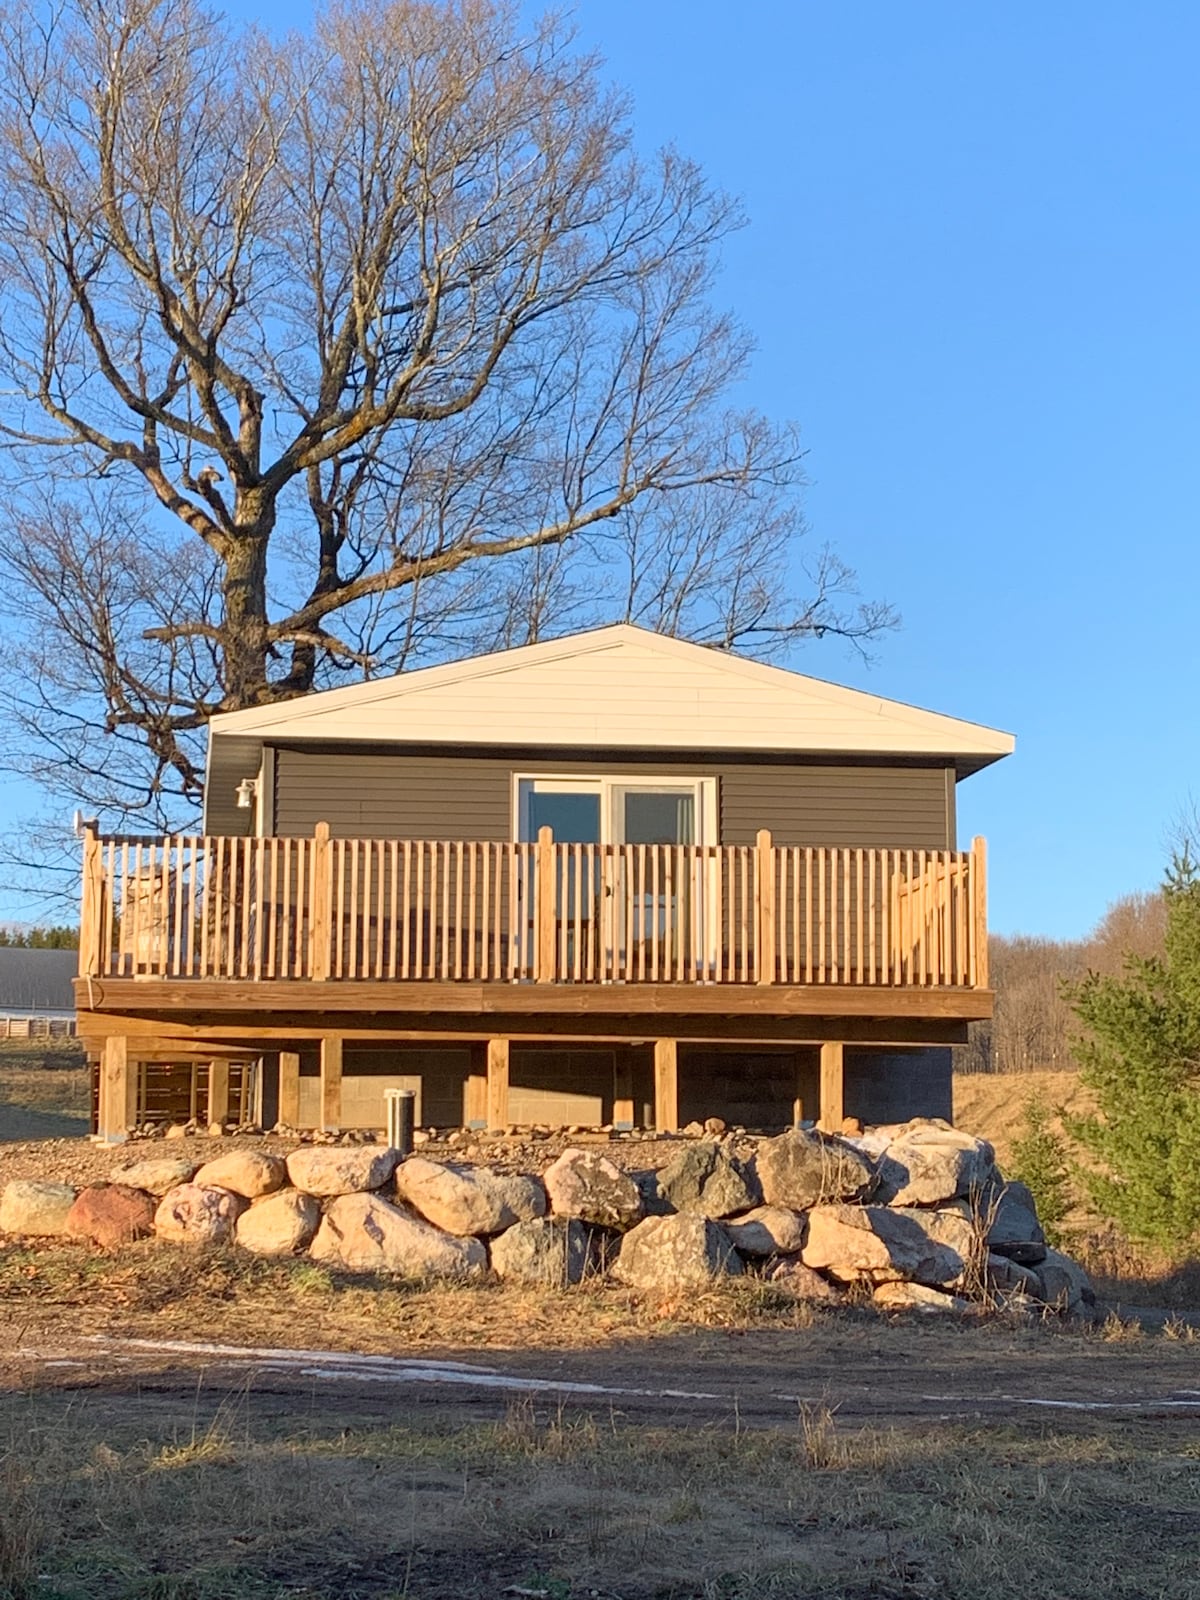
{"points": [[331, 354]]}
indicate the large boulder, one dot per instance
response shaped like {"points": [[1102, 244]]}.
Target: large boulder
{"points": [[32, 1206], [799, 1169], [464, 1200], [880, 1244], [111, 1214], [768, 1231], [547, 1251], [1006, 1277], [279, 1224], [363, 1233], [331, 1170], [1013, 1229], [790, 1275], [589, 1187], [249, 1173], [704, 1177], [156, 1175], [195, 1213], [682, 1252], [931, 1162], [1064, 1284]]}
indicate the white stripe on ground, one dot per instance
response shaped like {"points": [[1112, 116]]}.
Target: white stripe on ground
{"points": [[335, 1364], [1154, 1404]]}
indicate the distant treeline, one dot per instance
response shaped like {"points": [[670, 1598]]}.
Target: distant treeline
{"points": [[1032, 1027], [61, 938]]}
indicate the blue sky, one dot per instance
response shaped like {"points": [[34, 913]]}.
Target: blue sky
{"points": [[971, 269]]}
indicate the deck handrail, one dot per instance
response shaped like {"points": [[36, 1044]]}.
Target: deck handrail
{"points": [[321, 909]]}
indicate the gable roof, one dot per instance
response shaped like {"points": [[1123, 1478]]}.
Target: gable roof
{"points": [[620, 687]]}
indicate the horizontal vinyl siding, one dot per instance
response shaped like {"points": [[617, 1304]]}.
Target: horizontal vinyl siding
{"points": [[383, 794]]}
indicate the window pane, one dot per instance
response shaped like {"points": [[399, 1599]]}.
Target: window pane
{"points": [[575, 818], [661, 818]]}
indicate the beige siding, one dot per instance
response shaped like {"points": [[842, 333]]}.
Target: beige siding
{"points": [[620, 687], [398, 795]]}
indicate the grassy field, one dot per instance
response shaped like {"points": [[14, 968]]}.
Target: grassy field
{"points": [[44, 1090]]}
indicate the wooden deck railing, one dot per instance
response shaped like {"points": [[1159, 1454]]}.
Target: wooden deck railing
{"points": [[406, 910]]}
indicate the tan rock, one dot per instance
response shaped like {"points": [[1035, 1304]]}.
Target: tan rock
{"points": [[916, 1297], [249, 1173], [330, 1170], [31, 1206], [363, 1233], [767, 1231], [156, 1175], [279, 1224], [462, 1200], [932, 1162], [881, 1244], [197, 1214]]}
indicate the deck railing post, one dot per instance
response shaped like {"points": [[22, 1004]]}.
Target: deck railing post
{"points": [[979, 931], [545, 881], [320, 910], [764, 907], [91, 907]]}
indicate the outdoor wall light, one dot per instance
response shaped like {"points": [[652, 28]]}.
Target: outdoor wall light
{"points": [[246, 792]]}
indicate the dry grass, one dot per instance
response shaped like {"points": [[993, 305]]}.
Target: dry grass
{"points": [[44, 1089], [231, 1499]]}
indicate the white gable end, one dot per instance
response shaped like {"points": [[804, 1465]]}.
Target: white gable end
{"points": [[616, 688]]}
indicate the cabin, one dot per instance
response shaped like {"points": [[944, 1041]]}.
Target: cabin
{"points": [[612, 880]]}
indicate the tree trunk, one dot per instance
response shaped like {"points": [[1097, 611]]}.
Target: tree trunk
{"points": [[245, 596]]}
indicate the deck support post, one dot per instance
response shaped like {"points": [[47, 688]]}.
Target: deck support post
{"points": [[623, 1114], [497, 1083], [118, 1091], [289, 1087], [218, 1092], [833, 1086], [666, 1085], [475, 1087], [331, 1083]]}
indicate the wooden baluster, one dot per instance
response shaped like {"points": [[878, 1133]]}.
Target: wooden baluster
{"points": [[91, 907], [320, 916], [764, 908], [979, 964]]}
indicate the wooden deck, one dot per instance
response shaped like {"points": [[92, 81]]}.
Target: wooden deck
{"points": [[228, 949]]}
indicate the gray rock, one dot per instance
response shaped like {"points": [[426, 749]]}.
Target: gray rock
{"points": [[196, 1213], [279, 1224], [1007, 1277], [249, 1173], [800, 1169], [1014, 1230], [31, 1206], [932, 1162], [546, 1251], [589, 1187], [704, 1177], [791, 1275], [768, 1231], [156, 1175], [682, 1252], [465, 1200], [363, 1233], [654, 1201], [1064, 1284], [331, 1170], [880, 1244]]}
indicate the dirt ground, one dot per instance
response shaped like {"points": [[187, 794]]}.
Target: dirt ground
{"points": [[867, 1461]]}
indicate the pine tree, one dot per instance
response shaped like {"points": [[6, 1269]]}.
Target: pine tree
{"points": [[1140, 1055], [1040, 1161]]}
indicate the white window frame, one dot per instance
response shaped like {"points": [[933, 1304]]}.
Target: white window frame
{"points": [[608, 785]]}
